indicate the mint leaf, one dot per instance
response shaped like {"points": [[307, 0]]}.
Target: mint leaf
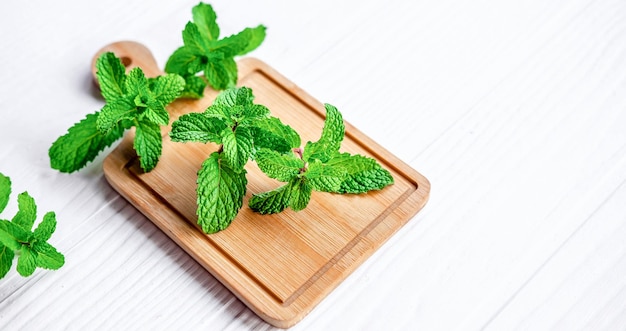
{"points": [[6, 259], [12, 235], [185, 61], [221, 73], [111, 75], [205, 19], [148, 144], [136, 84], [255, 112], [194, 87], [82, 143], [114, 113], [156, 114], [325, 177], [46, 228], [255, 37], [242, 96], [26, 263], [237, 146], [220, 111], [282, 167], [330, 141], [271, 133], [300, 194], [296, 194], [196, 43], [5, 191], [231, 45], [220, 193], [197, 127], [167, 88], [363, 174], [27, 211], [47, 256], [272, 202]]}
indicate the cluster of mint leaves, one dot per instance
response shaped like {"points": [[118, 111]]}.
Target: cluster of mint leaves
{"points": [[240, 127], [320, 167], [18, 238], [204, 51], [245, 131], [132, 100]]}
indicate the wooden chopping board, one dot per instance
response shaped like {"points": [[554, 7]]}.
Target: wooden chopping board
{"points": [[280, 265]]}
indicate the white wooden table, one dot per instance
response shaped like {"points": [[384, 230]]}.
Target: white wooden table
{"points": [[514, 110]]}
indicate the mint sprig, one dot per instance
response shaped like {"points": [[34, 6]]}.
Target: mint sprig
{"points": [[319, 167], [131, 100], [241, 128], [204, 51], [18, 238]]}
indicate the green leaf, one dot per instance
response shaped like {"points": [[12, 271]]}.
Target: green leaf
{"points": [[194, 87], [220, 193], [237, 146], [115, 112], [46, 256], [233, 44], [27, 211], [185, 62], [325, 177], [46, 228], [193, 39], [236, 96], [6, 260], [136, 84], [300, 194], [205, 19], [26, 262], [111, 75], [221, 73], [197, 127], [5, 191], [253, 113], [274, 201], [156, 114], [82, 143], [282, 167], [255, 37], [330, 141], [273, 134], [363, 174], [167, 88], [221, 112], [12, 235], [148, 144]]}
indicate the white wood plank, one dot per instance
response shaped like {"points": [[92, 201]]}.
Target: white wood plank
{"points": [[581, 287]]}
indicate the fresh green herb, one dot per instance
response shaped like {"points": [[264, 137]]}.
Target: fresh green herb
{"points": [[245, 131], [320, 167], [204, 51], [17, 238], [242, 128], [131, 100]]}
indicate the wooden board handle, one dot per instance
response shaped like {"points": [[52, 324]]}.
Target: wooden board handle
{"points": [[132, 54]]}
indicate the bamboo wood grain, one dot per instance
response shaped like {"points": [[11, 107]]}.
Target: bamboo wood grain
{"points": [[280, 266]]}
